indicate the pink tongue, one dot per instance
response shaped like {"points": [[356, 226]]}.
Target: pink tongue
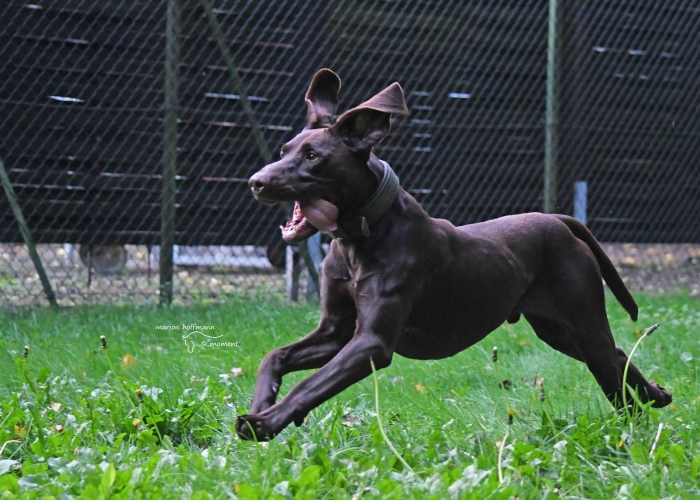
{"points": [[321, 214]]}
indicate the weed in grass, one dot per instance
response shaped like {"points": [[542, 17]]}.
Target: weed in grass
{"points": [[625, 386]]}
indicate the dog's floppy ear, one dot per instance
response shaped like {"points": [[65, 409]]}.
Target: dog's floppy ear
{"points": [[322, 99], [364, 126]]}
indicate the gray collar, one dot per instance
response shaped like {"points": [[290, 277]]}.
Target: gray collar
{"points": [[377, 206]]}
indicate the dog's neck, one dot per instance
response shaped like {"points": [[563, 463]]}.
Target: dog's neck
{"points": [[365, 183], [369, 208]]}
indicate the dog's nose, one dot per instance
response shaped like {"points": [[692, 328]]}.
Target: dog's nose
{"points": [[258, 181]]}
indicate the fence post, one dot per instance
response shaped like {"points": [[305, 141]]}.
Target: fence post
{"points": [[551, 135], [167, 221], [260, 141], [27, 235], [314, 248], [291, 274], [581, 201]]}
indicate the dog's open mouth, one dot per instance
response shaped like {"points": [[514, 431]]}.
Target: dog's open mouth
{"points": [[308, 217]]}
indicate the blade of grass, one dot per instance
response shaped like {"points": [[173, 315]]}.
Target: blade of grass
{"points": [[648, 331], [500, 457], [379, 419]]}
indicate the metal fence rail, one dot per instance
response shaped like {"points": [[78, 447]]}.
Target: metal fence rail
{"points": [[128, 129]]}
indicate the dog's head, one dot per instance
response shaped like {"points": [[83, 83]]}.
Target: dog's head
{"points": [[323, 170]]}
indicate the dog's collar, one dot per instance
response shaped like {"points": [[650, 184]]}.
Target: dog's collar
{"points": [[377, 206]]}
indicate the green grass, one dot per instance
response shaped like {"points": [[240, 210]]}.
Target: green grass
{"points": [[72, 426]]}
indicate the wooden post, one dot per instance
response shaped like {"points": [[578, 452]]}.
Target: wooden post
{"points": [[27, 235], [240, 90], [551, 137], [314, 248], [167, 222], [581, 201], [291, 274]]}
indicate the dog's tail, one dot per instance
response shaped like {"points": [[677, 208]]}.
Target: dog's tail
{"points": [[607, 269]]}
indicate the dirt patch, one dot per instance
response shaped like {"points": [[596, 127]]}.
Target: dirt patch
{"points": [[657, 268]]}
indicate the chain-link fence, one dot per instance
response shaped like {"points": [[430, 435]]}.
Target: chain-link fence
{"points": [[128, 130]]}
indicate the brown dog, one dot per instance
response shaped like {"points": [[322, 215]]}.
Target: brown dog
{"points": [[397, 281]]}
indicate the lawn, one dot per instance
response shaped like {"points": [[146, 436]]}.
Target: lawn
{"points": [[147, 418]]}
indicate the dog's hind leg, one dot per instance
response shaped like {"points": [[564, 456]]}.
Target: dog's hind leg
{"points": [[566, 308], [552, 334], [591, 346], [594, 345], [648, 390], [607, 364]]}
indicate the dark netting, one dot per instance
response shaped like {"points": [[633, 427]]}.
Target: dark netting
{"points": [[630, 129], [88, 113]]}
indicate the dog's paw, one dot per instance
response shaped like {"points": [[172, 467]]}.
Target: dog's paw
{"points": [[252, 428], [299, 421], [662, 398]]}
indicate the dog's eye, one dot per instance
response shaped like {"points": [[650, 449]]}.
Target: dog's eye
{"points": [[281, 153], [311, 155]]}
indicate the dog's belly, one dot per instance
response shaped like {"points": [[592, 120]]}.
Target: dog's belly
{"points": [[423, 343], [462, 305], [441, 328]]}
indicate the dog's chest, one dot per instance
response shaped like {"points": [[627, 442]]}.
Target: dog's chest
{"points": [[353, 258]]}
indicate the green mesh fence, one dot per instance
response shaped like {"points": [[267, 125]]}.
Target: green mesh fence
{"points": [[88, 113]]}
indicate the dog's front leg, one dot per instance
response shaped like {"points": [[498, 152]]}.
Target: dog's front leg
{"points": [[313, 351], [349, 366], [335, 329], [381, 316]]}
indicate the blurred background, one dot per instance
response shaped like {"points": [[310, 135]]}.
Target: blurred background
{"points": [[128, 130]]}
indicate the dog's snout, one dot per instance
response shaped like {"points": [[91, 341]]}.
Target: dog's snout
{"points": [[258, 181]]}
